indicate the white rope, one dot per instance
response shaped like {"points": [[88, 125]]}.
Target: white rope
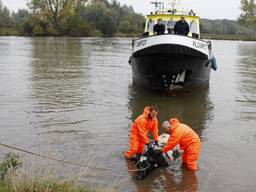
{"points": [[69, 162]]}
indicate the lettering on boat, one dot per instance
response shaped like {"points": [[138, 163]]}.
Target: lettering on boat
{"points": [[199, 45], [141, 43]]}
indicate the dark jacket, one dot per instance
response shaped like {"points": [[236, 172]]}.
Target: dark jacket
{"points": [[181, 28], [159, 29]]}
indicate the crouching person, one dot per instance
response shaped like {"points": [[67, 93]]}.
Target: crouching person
{"points": [[187, 139], [145, 123]]}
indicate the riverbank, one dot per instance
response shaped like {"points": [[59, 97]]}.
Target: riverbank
{"points": [[229, 37], [9, 32], [15, 179], [21, 183], [14, 32]]}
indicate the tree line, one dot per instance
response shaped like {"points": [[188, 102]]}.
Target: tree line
{"points": [[245, 25], [104, 18], [73, 18], [224, 26]]}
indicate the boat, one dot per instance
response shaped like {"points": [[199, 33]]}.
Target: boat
{"points": [[171, 61]]}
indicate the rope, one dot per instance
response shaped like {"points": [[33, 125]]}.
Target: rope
{"points": [[71, 163]]}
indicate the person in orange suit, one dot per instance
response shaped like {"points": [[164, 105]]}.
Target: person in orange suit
{"points": [[187, 139], [145, 123]]}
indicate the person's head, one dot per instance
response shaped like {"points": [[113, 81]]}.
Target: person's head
{"points": [[159, 21], [153, 112], [166, 125]]}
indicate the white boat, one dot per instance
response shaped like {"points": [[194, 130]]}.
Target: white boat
{"points": [[170, 60]]}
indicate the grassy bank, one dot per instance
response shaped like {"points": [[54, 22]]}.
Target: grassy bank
{"points": [[13, 179], [9, 32], [14, 32], [229, 37], [23, 183]]}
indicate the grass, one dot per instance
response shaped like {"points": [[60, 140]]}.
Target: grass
{"points": [[14, 32], [9, 32], [43, 180], [11, 180], [119, 34], [24, 183]]}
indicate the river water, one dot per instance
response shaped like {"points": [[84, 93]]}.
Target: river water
{"points": [[73, 98]]}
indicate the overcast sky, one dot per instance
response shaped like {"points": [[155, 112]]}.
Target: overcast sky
{"points": [[212, 9]]}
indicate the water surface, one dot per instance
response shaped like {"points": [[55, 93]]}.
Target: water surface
{"points": [[73, 98]]}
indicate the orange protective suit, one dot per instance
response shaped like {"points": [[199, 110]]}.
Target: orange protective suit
{"points": [[188, 140], [139, 133]]}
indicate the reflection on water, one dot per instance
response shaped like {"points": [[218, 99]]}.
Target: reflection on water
{"points": [[166, 180], [247, 82], [73, 98], [57, 78]]}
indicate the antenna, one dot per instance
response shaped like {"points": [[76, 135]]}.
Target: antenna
{"points": [[175, 3], [158, 5]]}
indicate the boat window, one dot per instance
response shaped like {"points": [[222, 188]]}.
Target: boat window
{"points": [[151, 24], [193, 27], [170, 24]]}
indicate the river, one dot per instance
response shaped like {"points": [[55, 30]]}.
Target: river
{"points": [[73, 98]]}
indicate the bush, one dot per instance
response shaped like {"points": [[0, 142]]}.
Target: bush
{"points": [[12, 181], [127, 26], [38, 30], [10, 164], [76, 26]]}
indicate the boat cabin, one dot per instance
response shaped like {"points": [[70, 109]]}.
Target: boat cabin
{"points": [[169, 18]]}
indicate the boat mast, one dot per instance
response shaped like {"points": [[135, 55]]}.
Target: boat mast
{"points": [[175, 3], [160, 6]]}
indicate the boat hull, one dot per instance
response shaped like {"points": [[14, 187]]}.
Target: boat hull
{"points": [[170, 66], [161, 71]]}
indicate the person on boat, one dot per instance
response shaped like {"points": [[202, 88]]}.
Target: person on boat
{"points": [[159, 28], [145, 123], [187, 139], [181, 27]]}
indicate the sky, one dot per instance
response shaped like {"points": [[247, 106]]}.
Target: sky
{"points": [[211, 9]]}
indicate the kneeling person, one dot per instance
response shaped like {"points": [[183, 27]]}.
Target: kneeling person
{"points": [[145, 123], [187, 139]]}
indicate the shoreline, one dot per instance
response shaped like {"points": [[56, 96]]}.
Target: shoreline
{"points": [[14, 32], [229, 37]]}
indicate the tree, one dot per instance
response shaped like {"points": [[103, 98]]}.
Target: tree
{"points": [[127, 25], [53, 11], [5, 19], [110, 17], [20, 16], [100, 17], [76, 26], [248, 15], [73, 17], [47, 9]]}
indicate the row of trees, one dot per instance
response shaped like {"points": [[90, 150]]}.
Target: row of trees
{"points": [[74, 18], [224, 26], [104, 18], [8, 19], [246, 24]]}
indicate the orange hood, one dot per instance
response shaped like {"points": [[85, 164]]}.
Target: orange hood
{"points": [[174, 123], [146, 111]]}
